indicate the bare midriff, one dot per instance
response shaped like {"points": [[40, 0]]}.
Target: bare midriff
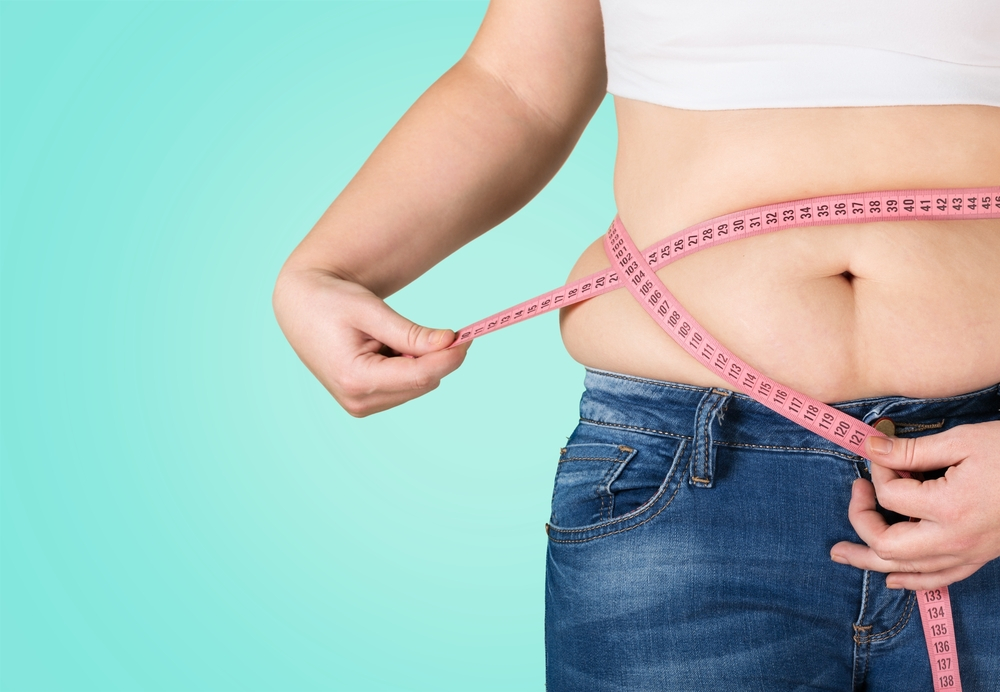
{"points": [[908, 308]]}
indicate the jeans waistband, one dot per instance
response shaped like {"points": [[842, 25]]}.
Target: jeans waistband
{"points": [[671, 408]]}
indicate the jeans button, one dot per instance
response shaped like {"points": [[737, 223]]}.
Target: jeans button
{"points": [[885, 426]]}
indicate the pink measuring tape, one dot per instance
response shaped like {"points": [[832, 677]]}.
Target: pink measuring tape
{"points": [[635, 270]]}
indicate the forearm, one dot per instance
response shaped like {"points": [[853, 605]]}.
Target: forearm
{"points": [[468, 154], [472, 150]]}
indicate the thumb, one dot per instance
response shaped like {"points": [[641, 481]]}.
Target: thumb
{"points": [[400, 334], [914, 453]]}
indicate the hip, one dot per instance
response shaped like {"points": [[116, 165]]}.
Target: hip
{"points": [[640, 440]]}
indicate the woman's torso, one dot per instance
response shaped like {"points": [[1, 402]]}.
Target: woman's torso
{"points": [[838, 312]]}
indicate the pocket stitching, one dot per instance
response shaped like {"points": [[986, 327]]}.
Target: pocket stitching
{"points": [[680, 484], [622, 426], [615, 459], [625, 455], [678, 460]]}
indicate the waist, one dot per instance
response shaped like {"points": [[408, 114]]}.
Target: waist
{"points": [[672, 409], [839, 312]]}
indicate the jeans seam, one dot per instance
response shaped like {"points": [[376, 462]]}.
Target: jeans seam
{"points": [[885, 635], [853, 403], [860, 641], [614, 459], [815, 450], [850, 403], [635, 427], [704, 461], [842, 405], [706, 421], [904, 619], [868, 658]]}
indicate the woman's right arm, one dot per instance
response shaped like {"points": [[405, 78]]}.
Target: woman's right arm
{"points": [[473, 149]]}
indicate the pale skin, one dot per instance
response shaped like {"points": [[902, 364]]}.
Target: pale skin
{"points": [[957, 532], [492, 131]]}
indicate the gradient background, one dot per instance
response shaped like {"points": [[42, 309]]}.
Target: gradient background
{"points": [[183, 506]]}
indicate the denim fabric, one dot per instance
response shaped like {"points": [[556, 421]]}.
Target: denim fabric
{"points": [[689, 550]]}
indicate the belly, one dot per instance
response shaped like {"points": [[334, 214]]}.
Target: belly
{"points": [[839, 312]]}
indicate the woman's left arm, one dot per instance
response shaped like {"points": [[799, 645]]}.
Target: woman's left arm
{"points": [[959, 513]]}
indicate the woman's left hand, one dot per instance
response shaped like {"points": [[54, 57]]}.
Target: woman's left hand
{"points": [[959, 527]]}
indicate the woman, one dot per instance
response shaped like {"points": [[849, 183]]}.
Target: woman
{"points": [[698, 539]]}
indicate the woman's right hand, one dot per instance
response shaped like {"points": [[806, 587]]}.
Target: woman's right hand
{"points": [[352, 342], [473, 149]]}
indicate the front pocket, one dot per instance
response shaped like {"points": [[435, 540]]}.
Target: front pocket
{"points": [[607, 475], [582, 493]]}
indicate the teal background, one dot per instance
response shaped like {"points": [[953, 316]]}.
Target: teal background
{"points": [[183, 506]]}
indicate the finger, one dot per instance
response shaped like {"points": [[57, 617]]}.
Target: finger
{"points": [[380, 383], [916, 453], [902, 541], [395, 331], [907, 496], [420, 374], [921, 581], [863, 557]]}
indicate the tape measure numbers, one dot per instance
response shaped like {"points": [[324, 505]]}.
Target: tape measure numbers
{"points": [[636, 270]]}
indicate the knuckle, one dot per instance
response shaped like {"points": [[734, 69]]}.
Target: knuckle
{"points": [[888, 498], [413, 333], [355, 389], [887, 501], [424, 381], [350, 387], [909, 451], [355, 385], [950, 514], [882, 550]]}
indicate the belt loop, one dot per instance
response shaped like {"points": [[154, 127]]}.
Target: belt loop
{"points": [[702, 468]]}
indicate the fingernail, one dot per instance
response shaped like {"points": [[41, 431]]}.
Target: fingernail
{"points": [[837, 557], [881, 445], [437, 337], [893, 584]]}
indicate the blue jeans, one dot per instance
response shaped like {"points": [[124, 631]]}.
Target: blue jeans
{"points": [[689, 550]]}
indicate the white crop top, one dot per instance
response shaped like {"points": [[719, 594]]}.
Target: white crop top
{"points": [[727, 54]]}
